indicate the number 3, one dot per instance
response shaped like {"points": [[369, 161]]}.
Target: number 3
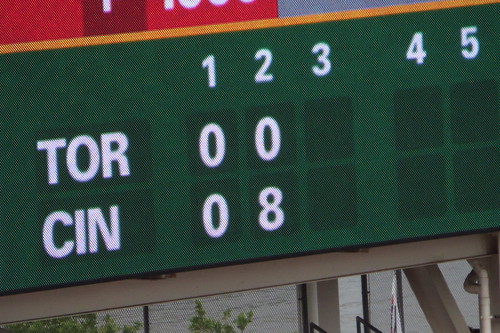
{"points": [[323, 51]]}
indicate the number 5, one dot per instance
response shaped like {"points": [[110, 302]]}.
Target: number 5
{"points": [[468, 39]]}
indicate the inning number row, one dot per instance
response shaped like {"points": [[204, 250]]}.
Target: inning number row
{"points": [[415, 52]]}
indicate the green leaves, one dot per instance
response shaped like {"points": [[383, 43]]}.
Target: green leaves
{"points": [[90, 323], [243, 320], [200, 323]]}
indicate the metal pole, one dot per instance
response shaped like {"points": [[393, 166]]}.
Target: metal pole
{"points": [[399, 283], [145, 311], [303, 313], [365, 296]]}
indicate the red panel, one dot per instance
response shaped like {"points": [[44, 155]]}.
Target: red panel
{"points": [[205, 12], [34, 20], [122, 16]]}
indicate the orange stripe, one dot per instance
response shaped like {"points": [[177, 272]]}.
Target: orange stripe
{"points": [[237, 26]]}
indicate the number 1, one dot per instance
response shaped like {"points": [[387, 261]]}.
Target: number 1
{"points": [[209, 65]]}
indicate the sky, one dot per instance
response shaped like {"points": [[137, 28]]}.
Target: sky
{"points": [[303, 7]]}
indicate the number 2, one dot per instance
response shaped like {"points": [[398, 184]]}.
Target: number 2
{"points": [[262, 75]]}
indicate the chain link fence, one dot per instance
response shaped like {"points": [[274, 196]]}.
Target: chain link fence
{"points": [[413, 317], [275, 310]]}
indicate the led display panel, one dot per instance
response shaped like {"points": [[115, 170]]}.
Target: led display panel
{"points": [[129, 149]]}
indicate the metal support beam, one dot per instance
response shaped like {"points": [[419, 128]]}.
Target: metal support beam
{"points": [[492, 266], [365, 296], [436, 300], [312, 303], [323, 304], [145, 312], [495, 288], [303, 315], [111, 295], [329, 305]]}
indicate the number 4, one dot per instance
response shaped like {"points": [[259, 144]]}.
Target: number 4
{"points": [[416, 49]]}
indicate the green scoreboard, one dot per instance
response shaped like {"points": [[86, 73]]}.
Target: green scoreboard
{"points": [[244, 142]]}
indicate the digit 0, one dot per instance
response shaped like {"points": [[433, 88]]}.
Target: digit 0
{"points": [[267, 154], [208, 210], [215, 131]]}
